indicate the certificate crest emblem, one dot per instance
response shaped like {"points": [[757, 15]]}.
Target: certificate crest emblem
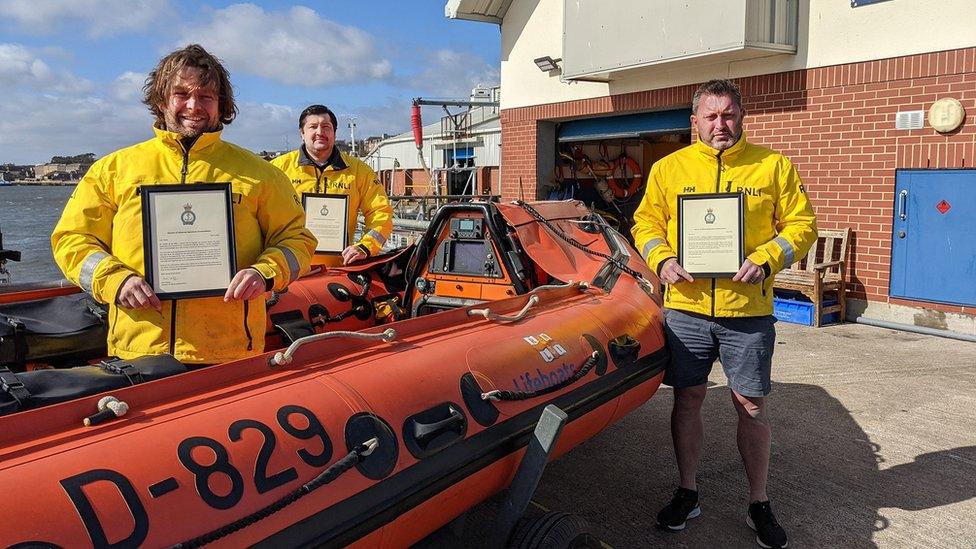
{"points": [[709, 217], [324, 211], [188, 216]]}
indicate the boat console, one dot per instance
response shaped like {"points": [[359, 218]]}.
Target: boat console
{"points": [[467, 256]]}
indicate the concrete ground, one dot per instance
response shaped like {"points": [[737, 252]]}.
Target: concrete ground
{"points": [[874, 445]]}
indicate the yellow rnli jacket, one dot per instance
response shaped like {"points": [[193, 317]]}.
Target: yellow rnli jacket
{"points": [[98, 243], [779, 224], [346, 175]]}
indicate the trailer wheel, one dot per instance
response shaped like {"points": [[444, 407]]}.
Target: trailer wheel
{"points": [[553, 530]]}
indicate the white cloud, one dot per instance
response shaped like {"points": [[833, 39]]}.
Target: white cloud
{"points": [[452, 74], [101, 17], [49, 111], [33, 128], [20, 67], [294, 46], [128, 86], [264, 126]]}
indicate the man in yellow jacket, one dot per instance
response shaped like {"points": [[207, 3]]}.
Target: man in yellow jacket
{"points": [[98, 242], [729, 319], [319, 167]]}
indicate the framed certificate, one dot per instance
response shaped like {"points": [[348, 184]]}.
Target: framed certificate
{"points": [[710, 228], [325, 217], [188, 239]]}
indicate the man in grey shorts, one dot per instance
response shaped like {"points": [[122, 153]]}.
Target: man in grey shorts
{"points": [[724, 318]]}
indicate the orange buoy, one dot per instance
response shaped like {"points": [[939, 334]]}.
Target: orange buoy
{"points": [[625, 185]]}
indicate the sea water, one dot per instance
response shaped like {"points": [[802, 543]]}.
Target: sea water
{"points": [[27, 217]]}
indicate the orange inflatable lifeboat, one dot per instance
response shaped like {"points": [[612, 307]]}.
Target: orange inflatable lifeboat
{"points": [[402, 393]]}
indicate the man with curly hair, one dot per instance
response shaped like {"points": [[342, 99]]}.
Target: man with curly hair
{"points": [[98, 242]]}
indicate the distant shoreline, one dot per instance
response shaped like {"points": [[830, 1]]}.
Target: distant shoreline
{"points": [[25, 183]]}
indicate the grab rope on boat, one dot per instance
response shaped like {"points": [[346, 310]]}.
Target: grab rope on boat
{"points": [[583, 286], [282, 358], [580, 246], [520, 395], [323, 478], [505, 318], [532, 302]]}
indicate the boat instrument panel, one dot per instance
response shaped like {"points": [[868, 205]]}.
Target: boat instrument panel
{"points": [[469, 257], [466, 252]]}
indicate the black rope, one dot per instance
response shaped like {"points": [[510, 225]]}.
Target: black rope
{"points": [[325, 477], [519, 395], [577, 244]]}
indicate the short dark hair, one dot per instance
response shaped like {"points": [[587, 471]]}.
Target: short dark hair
{"points": [[160, 81], [318, 110], [718, 86]]}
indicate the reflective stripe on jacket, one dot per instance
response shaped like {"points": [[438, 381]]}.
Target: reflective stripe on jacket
{"points": [[779, 224], [349, 176], [98, 244]]}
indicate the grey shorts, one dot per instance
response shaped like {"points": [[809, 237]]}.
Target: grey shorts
{"points": [[744, 345]]}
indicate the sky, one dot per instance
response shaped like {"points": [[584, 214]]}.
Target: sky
{"points": [[72, 71]]}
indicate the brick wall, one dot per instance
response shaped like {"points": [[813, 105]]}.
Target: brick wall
{"points": [[837, 124]]}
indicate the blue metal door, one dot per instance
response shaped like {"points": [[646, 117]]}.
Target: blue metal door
{"points": [[933, 250]]}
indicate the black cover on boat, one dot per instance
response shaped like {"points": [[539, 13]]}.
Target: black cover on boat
{"points": [[52, 386], [59, 330]]}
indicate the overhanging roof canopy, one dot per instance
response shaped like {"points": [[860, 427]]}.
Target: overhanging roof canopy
{"points": [[488, 11], [625, 126], [604, 41]]}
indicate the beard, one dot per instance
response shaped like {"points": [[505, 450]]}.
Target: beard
{"points": [[175, 125]]}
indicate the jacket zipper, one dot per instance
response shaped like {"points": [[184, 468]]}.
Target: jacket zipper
{"points": [[172, 317], [186, 164], [247, 331], [319, 172], [718, 186]]}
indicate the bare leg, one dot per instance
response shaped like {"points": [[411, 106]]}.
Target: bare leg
{"points": [[753, 437], [687, 432]]}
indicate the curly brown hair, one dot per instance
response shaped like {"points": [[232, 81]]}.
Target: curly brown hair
{"points": [[160, 80]]}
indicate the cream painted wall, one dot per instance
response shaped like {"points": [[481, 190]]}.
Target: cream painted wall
{"points": [[830, 33], [534, 28]]}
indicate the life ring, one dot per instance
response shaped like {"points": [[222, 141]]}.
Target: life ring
{"points": [[626, 187]]}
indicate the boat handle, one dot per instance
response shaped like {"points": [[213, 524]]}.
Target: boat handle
{"points": [[282, 358], [423, 432], [903, 204], [505, 318]]}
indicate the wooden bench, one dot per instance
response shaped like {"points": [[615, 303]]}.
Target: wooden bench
{"points": [[823, 269]]}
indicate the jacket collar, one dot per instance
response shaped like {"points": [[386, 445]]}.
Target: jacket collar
{"points": [[335, 159], [730, 152], [175, 140]]}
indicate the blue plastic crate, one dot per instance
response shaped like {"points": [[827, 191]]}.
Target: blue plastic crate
{"points": [[798, 310]]}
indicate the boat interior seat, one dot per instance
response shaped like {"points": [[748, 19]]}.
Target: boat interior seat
{"points": [[56, 331], [468, 255], [26, 390]]}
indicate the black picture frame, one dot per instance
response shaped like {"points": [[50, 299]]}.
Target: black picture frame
{"points": [[342, 226], [732, 254], [187, 194]]}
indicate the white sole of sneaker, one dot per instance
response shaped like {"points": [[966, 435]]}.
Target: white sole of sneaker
{"points": [[693, 514], [759, 541]]}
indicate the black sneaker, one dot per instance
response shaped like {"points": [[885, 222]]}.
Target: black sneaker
{"points": [[683, 506], [769, 533]]}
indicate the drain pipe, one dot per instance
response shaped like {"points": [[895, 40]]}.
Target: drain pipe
{"points": [[916, 329]]}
